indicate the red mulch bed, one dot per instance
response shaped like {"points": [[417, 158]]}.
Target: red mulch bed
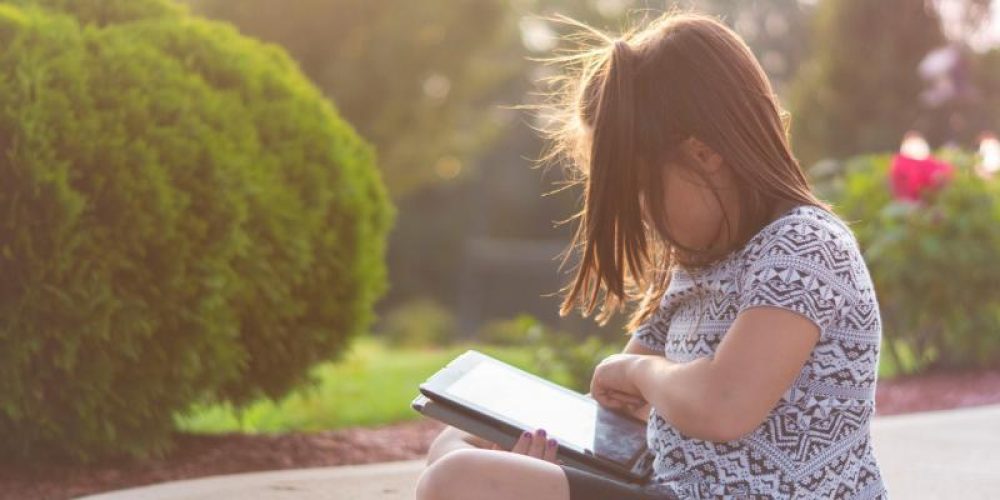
{"points": [[198, 456]]}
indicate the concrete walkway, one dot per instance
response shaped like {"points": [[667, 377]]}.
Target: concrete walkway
{"points": [[934, 455]]}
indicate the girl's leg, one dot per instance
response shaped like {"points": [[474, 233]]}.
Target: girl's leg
{"points": [[492, 475], [451, 439]]}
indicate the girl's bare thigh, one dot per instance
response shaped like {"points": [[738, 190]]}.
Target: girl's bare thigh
{"points": [[492, 475]]}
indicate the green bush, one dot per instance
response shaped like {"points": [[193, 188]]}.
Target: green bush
{"points": [[523, 329], [184, 219], [934, 264], [420, 322]]}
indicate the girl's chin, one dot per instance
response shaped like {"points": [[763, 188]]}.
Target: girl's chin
{"points": [[699, 245]]}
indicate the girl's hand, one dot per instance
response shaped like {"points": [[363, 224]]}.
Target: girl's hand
{"points": [[535, 445], [611, 385]]}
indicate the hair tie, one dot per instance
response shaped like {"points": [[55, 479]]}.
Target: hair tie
{"points": [[622, 48]]}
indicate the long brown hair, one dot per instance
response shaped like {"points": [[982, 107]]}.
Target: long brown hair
{"points": [[621, 109]]}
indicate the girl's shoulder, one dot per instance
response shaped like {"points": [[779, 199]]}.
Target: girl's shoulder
{"points": [[805, 231], [808, 258]]}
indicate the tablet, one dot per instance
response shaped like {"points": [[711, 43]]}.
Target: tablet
{"points": [[513, 400]]}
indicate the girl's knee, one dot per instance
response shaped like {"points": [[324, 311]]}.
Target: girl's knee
{"points": [[440, 480]]}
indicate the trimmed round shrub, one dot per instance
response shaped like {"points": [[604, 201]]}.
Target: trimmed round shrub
{"points": [[183, 218], [934, 263]]}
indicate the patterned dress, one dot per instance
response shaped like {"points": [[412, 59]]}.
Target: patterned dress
{"points": [[815, 443]]}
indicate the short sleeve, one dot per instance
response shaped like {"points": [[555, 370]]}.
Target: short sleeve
{"points": [[652, 333], [807, 267]]}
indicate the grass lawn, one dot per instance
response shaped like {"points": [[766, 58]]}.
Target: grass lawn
{"points": [[372, 385]]}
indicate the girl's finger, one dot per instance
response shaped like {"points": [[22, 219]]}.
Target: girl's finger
{"points": [[610, 395], [522, 444], [625, 401], [609, 400], [629, 398], [551, 449], [605, 401], [537, 447], [624, 395], [630, 405]]}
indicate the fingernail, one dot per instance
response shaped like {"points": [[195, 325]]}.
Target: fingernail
{"points": [[552, 443], [541, 432], [526, 434]]}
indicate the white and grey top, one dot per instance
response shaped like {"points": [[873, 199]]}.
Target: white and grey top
{"points": [[815, 443]]}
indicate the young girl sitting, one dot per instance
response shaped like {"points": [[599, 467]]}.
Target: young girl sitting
{"points": [[754, 350]]}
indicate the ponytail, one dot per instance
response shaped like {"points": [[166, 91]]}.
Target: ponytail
{"points": [[613, 216]]}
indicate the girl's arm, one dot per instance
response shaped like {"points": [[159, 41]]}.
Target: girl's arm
{"points": [[636, 347], [724, 397], [452, 438]]}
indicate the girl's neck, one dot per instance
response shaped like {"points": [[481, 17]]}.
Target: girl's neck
{"points": [[780, 208], [724, 247]]}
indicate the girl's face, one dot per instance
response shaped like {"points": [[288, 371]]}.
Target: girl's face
{"points": [[691, 212]]}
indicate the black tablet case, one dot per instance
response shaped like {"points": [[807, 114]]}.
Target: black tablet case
{"points": [[506, 434]]}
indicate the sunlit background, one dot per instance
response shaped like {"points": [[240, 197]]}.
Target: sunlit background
{"points": [[429, 85], [475, 250], [416, 222]]}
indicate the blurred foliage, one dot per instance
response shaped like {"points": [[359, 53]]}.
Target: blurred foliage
{"points": [[522, 329], [503, 198], [374, 58], [185, 219], [776, 30], [419, 322], [555, 355], [859, 90], [934, 264], [415, 78], [986, 77]]}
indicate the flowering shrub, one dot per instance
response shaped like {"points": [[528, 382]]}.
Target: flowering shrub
{"points": [[934, 263], [914, 178]]}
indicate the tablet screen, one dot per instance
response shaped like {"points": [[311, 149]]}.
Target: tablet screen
{"points": [[571, 419]]}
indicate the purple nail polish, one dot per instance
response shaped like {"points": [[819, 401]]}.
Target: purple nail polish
{"points": [[552, 443], [541, 432], [526, 434]]}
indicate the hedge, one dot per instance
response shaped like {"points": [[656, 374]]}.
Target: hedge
{"points": [[183, 219], [933, 262]]}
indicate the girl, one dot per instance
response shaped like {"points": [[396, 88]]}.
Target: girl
{"points": [[754, 350]]}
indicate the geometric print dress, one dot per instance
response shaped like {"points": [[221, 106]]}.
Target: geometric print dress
{"points": [[816, 441]]}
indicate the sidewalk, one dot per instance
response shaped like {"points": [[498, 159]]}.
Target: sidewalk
{"points": [[934, 455], [383, 481]]}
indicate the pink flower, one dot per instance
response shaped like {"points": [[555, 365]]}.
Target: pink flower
{"points": [[912, 178]]}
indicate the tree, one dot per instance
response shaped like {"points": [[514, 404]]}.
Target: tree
{"points": [[184, 218], [413, 77], [859, 90], [776, 31]]}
